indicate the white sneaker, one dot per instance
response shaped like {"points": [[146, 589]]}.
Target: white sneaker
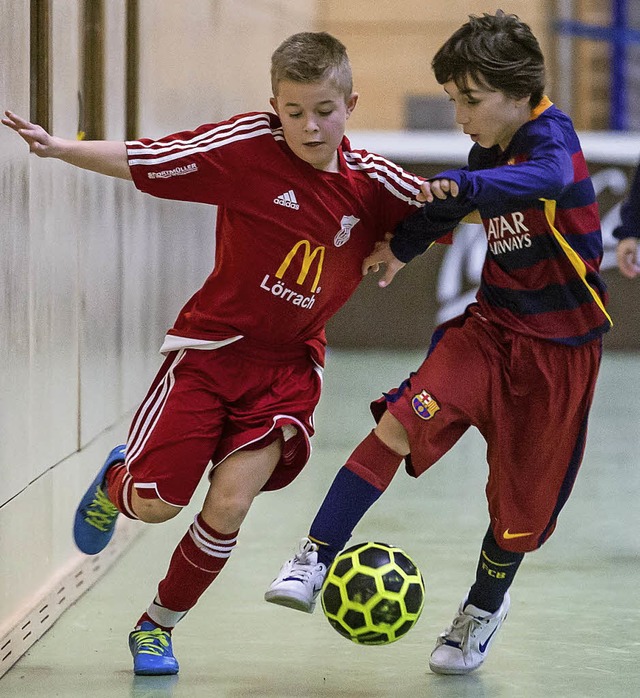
{"points": [[300, 580], [463, 646]]}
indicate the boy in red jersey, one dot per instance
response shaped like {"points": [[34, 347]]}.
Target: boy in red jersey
{"points": [[520, 364], [298, 212]]}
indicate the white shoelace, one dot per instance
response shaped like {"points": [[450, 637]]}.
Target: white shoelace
{"points": [[462, 627], [301, 566]]}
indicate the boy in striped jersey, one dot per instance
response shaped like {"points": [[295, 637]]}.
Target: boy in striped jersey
{"points": [[520, 364], [298, 212]]}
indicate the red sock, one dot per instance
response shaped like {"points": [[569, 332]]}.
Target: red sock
{"points": [[374, 462], [145, 617], [119, 485], [195, 563]]}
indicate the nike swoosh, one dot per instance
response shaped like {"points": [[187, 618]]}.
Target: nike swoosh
{"points": [[483, 645], [508, 535], [497, 564]]}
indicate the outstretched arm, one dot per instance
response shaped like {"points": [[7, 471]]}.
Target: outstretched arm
{"points": [[105, 157]]}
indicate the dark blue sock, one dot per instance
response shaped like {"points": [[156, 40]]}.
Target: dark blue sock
{"points": [[496, 569], [347, 501]]}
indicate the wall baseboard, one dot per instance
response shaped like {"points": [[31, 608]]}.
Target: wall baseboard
{"points": [[60, 593]]}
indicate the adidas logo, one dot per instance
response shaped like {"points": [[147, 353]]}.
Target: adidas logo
{"points": [[287, 199]]}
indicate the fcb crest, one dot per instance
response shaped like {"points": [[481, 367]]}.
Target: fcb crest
{"points": [[344, 233], [424, 405]]}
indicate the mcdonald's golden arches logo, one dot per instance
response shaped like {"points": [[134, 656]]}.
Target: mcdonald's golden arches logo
{"points": [[308, 257]]}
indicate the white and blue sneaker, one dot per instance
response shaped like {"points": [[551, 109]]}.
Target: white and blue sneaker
{"points": [[96, 515], [463, 646], [299, 581]]}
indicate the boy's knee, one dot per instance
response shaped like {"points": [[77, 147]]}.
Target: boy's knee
{"points": [[226, 512], [154, 510], [393, 434]]}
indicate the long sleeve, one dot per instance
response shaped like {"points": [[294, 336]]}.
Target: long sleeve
{"points": [[491, 176], [545, 174], [630, 212], [433, 221]]}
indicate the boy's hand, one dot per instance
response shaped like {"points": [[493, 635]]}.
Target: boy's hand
{"points": [[38, 140], [627, 257], [104, 157], [437, 188], [382, 254]]}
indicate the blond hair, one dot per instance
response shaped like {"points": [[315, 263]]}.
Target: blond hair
{"points": [[312, 57]]}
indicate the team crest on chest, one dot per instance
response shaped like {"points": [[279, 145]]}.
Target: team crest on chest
{"points": [[344, 233], [424, 405]]}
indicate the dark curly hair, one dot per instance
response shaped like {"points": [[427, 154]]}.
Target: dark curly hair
{"points": [[499, 51]]}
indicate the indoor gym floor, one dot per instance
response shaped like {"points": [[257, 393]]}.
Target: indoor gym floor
{"points": [[574, 625]]}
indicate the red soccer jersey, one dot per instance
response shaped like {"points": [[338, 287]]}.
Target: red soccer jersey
{"points": [[290, 239]]}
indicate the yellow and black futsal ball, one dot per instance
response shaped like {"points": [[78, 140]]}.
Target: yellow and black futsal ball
{"points": [[373, 593]]}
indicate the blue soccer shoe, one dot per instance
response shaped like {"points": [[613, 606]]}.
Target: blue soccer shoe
{"points": [[96, 515], [152, 652]]}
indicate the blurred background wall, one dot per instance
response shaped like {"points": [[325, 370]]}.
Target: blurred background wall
{"points": [[592, 49], [391, 48], [92, 273]]}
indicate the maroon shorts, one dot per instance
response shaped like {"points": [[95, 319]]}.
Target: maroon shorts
{"points": [[530, 400], [204, 405]]}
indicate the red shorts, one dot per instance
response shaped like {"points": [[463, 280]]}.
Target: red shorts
{"points": [[529, 398], [204, 405]]}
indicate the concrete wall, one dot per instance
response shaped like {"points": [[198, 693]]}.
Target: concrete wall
{"points": [[92, 272]]}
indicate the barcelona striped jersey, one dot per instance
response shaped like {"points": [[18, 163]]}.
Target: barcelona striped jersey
{"points": [[544, 244]]}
